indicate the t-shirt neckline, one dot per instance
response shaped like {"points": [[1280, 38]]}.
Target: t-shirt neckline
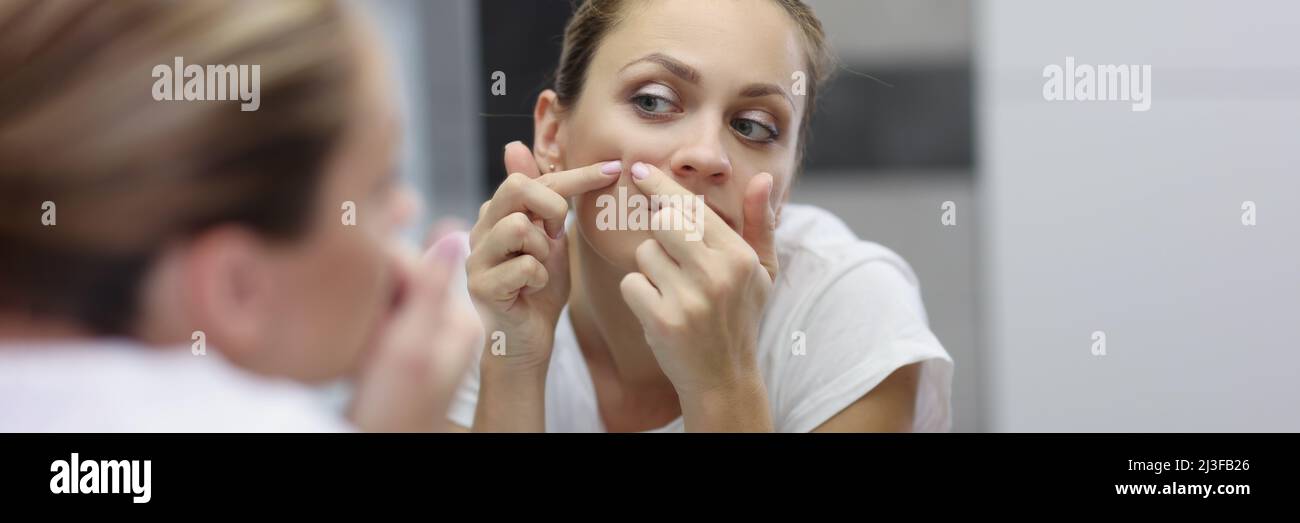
{"points": [[588, 384]]}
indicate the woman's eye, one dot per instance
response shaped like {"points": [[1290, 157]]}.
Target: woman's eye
{"points": [[753, 130], [652, 104]]}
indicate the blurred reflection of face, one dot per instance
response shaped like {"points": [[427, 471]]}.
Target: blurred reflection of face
{"points": [[334, 285]]}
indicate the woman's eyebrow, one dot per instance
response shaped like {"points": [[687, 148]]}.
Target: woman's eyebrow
{"points": [[690, 74], [673, 65], [759, 90]]}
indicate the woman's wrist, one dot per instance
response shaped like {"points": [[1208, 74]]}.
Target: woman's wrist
{"points": [[517, 378], [512, 396], [507, 365], [740, 405], [511, 352]]}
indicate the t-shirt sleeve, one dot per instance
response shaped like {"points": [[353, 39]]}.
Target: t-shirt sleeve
{"points": [[303, 417], [465, 400], [864, 323]]}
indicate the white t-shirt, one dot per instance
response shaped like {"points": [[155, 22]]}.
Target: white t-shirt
{"points": [[111, 385], [854, 304]]}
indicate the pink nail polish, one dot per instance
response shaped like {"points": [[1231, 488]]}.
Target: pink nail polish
{"points": [[640, 171], [451, 247], [613, 167]]}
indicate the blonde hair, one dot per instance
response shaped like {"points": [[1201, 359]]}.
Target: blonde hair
{"points": [[79, 127]]}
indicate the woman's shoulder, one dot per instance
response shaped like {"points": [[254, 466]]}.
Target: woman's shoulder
{"points": [[832, 282], [815, 248], [843, 315], [117, 385]]}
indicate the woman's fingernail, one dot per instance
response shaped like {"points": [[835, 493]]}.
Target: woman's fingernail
{"points": [[640, 171], [613, 167], [451, 246]]}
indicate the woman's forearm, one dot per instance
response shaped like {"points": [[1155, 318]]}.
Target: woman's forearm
{"points": [[740, 407], [512, 398]]}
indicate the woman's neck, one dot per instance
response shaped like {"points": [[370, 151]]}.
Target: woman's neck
{"points": [[611, 337]]}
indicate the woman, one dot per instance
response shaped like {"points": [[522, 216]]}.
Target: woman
{"points": [[186, 265], [777, 319]]}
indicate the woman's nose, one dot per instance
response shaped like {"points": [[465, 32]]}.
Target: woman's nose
{"points": [[702, 156], [404, 209]]}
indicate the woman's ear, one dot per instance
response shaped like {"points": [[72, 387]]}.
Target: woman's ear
{"points": [[230, 289], [547, 139]]}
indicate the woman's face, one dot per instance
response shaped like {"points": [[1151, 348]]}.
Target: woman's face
{"points": [[334, 287], [701, 90]]}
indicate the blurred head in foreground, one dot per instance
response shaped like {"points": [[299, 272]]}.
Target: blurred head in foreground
{"points": [[131, 212]]}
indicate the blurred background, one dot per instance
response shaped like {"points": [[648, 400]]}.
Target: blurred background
{"points": [[1071, 218]]}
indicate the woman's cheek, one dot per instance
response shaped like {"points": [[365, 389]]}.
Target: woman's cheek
{"points": [[596, 211], [350, 280], [602, 222]]}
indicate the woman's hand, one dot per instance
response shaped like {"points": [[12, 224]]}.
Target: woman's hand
{"points": [[518, 265], [423, 349], [701, 302], [519, 280]]}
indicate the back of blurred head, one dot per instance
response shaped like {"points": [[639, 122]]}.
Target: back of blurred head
{"points": [[171, 217]]}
